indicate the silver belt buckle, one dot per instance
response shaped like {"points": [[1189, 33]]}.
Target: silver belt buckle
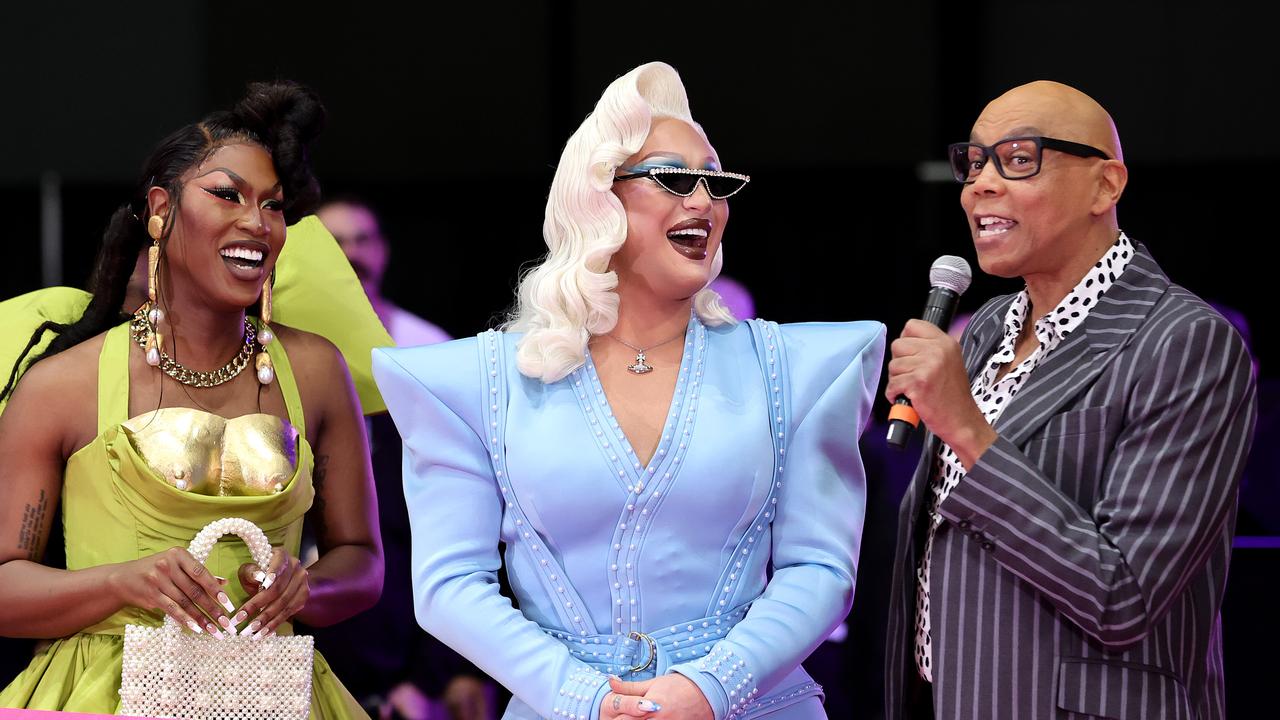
{"points": [[653, 651]]}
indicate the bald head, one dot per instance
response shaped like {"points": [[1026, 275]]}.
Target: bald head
{"points": [[1052, 225], [1050, 109]]}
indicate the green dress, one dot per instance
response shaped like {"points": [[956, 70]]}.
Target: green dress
{"points": [[116, 508]]}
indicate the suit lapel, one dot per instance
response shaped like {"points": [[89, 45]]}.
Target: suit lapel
{"points": [[982, 342], [979, 342], [1081, 357]]}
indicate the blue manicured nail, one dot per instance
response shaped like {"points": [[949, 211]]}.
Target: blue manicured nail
{"points": [[648, 706]]}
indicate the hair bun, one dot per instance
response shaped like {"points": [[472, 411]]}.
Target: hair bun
{"points": [[281, 107], [287, 118]]}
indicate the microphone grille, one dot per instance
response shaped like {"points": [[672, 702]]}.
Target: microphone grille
{"points": [[951, 272]]}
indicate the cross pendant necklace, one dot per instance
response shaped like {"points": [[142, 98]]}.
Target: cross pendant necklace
{"points": [[641, 364]]}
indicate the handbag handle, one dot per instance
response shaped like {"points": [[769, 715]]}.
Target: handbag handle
{"points": [[202, 544], [259, 546]]}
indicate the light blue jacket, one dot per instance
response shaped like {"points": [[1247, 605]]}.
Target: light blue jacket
{"points": [[733, 551]]}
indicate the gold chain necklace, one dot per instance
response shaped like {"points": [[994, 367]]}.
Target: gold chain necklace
{"points": [[141, 327]]}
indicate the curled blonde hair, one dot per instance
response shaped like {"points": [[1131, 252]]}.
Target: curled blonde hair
{"points": [[570, 295]]}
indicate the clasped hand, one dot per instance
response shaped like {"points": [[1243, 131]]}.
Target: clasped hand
{"points": [[175, 583], [667, 696]]}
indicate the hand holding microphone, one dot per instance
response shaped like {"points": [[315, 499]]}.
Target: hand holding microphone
{"points": [[949, 277]]}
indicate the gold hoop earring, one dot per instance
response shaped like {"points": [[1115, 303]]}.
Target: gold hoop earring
{"points": [[266, 371]]}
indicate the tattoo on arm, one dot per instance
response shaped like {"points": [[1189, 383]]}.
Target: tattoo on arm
{"points": [[317, 504], [29, 533]]}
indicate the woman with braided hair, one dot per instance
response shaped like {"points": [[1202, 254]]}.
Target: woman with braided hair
{"points": [[195, 406]]}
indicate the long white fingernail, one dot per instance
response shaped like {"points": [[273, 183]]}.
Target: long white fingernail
{"points": [[213, 630], [266, 583], [648, 706], [262, 633], [259, 576], [251, 628], [226, 602], [194, 627], [239, 617]]}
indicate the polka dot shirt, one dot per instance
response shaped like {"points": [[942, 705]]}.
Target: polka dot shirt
{"points": [[993, 396]]}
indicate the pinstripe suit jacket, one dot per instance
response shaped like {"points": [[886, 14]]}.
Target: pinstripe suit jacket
{"points": [[1082, 561]]}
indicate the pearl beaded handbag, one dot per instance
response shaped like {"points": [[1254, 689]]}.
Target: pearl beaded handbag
{"points": [[171, 673]]}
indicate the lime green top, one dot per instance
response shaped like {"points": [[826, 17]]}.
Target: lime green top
{"points": [[146, 515], [115, 508]]}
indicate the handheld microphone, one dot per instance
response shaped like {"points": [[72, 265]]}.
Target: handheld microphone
{"points": [[949, 277]]}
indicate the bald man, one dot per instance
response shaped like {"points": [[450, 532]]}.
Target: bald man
{"points": [[1063, 547]]}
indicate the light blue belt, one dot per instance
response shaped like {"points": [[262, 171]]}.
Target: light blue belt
{"points": [[642, 655]]}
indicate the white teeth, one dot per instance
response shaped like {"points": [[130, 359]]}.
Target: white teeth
{"points": [[690, 232], [991, 233], [992, 219], [242, 253]]}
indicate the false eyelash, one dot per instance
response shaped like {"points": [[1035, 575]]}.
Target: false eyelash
{"points": [[229, 194]]}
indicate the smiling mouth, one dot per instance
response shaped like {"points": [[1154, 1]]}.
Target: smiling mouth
{"points": [[994, 225], [689, 237], [243, 258]]}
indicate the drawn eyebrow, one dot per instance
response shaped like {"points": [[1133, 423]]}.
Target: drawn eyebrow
{"points": [[236, 178]]}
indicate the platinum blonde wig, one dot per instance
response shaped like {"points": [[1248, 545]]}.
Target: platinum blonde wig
{"points": [[570, 296]]}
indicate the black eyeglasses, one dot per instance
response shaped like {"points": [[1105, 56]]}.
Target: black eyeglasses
{"points": [[1016, 158], [684, 181]]}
